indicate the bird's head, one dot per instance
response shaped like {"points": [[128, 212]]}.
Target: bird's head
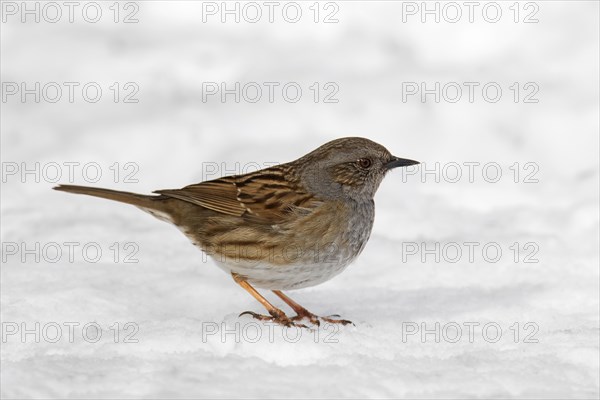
{"points": [[348, 167]]}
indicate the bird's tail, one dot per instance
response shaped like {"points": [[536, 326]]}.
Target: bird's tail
{"points": [[143, 201]]}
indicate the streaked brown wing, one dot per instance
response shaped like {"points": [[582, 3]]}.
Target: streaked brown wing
{"points": [[266, 196], [219, 195]]}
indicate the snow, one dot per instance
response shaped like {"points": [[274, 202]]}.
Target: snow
{"points": [[188, 341]]}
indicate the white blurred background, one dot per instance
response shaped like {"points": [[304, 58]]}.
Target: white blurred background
{"points": [[177, 133]]}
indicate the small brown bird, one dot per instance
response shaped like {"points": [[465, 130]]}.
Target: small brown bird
{"points": [[289, 226]]}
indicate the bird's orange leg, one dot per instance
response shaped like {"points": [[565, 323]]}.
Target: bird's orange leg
{"points": [[302, 312], [277, 315]]}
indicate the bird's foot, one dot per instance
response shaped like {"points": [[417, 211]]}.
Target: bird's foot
{"points": [[316, 320], [336, 320], [277, 316], [312, 318]]}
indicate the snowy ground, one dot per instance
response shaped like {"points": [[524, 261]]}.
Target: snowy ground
{"points": [[169, 322]]}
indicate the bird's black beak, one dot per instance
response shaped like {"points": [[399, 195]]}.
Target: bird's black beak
{"points": [[399, 162]]}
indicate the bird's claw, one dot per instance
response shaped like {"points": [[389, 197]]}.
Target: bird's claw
{"points": [[313, 319], [336, 320], [278, 318], [316, 320]]}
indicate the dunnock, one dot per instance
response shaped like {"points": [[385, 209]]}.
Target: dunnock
{"points": [[289, 226]]}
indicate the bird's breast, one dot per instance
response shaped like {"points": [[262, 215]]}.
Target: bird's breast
{"points": [[303, 251]]}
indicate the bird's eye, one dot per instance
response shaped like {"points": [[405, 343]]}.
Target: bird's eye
{"points": [[365, 163]]}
